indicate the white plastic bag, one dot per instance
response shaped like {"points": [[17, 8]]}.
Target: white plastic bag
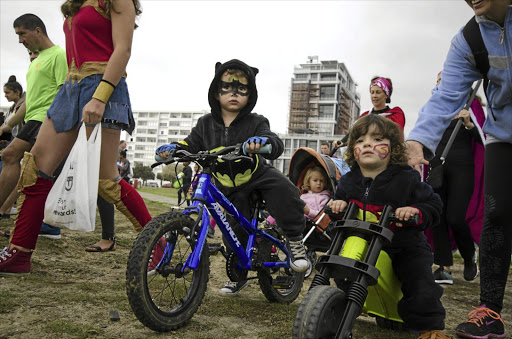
{"points": [[71, 202]]}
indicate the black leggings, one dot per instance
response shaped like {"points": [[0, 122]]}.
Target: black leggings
{"points": [[495, 242], [456, 193]]}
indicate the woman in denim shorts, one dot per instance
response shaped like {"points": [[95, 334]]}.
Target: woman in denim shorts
{"points": [[95, 92]]}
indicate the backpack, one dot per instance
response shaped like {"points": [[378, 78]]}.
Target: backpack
{"points": [[474, 39]]}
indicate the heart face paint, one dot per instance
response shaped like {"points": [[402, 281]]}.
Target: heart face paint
{"points": [[234, 87], [382, 150], [357, 153]]}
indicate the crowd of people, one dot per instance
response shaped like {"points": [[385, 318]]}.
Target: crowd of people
{"points": [[86, 84]]}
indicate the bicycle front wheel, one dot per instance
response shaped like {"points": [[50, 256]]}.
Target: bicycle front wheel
{"points": [[278, 284], [165, 298], [320, 313]]}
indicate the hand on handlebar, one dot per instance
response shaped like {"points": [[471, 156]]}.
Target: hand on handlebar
{"points": [[162, 152], [405, 213], [253, 144], [337, 206]]}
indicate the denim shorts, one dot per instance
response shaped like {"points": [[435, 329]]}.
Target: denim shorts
{"points": [[66, 109]]}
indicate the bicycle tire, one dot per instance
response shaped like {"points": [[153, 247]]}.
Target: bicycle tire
{"points": [[268, 277], [319, 313], [165, 299]]}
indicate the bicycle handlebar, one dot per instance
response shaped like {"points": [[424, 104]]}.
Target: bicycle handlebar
{"points": [[413, 220], [229, 153]]}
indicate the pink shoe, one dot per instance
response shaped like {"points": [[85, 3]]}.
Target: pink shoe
{"points": [[14, 261], [157, 254]]}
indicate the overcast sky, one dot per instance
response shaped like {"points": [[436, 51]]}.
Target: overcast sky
{"points": [[178, 42]]}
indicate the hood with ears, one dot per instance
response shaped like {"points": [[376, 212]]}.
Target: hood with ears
{"points": [[214, 88]]}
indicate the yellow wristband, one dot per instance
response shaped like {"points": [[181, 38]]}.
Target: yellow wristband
{"points": [[103, 91]]}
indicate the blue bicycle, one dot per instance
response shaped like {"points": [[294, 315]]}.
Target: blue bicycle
{"points": [[165, 296]]}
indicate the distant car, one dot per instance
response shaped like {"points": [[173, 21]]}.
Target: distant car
{"points": [[151, 184], [167, 186]]}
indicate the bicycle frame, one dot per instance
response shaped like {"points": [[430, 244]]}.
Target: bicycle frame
{"points": [[207, 194]]}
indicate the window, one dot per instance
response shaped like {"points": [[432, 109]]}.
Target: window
{"points": [[139, 147], [143, 115], [151, 131], [312, 144], [301, 77], [163, 124], [286, 165], [142, 131], [153, 115], [174, 123], [152, 140], [328, 77], [327, 92], [139, 139], [142, 123], [325, 112], [162, 141], [186, 115]]}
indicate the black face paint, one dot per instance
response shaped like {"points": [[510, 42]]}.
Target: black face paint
{"points": [[234, 87]]}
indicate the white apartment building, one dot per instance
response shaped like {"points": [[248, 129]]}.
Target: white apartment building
{"points": [[155, 128]]}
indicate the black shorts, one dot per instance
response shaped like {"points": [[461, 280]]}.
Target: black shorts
{"points": [[29, 132]]}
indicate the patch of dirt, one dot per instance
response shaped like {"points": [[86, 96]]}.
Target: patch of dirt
{"points": [[70, 293]]}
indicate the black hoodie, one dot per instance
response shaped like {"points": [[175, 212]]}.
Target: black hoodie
{"points": [[398, 186], [210, 132]]}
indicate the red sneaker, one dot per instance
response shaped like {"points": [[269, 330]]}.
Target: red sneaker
{"points": [[14, 261], [157, 254]]}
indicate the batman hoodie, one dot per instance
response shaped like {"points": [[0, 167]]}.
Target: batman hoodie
{"points": [[210, 131]]}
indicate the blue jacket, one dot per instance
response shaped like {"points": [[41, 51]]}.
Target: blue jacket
{"points": [[459, 73]]}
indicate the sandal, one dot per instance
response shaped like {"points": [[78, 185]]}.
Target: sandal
{"points": [[97, 248]]}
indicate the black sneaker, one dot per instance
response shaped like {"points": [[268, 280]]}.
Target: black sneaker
{"points": [[298, 259], [471, 268], [442, 276], [232, 287], [482, 323]]}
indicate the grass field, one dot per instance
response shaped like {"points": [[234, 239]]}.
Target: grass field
{"points": [[70, 293]]}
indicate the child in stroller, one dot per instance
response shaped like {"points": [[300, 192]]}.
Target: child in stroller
{"points": [[316, 233], [306, 161]]}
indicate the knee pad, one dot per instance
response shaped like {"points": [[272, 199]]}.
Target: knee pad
{"points": [[126, 199], [28, 173]]}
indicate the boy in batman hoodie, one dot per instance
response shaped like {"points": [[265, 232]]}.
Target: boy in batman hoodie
{"points": [[232, 96]]}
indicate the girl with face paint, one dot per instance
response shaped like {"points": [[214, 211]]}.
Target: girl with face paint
{"points": [[380, 176]]}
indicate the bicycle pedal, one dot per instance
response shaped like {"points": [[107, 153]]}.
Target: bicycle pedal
{"points": [[214, 248], [282, 282]]}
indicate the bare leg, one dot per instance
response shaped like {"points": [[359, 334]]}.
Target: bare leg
{"points": [[9, 202], [11, 157]]}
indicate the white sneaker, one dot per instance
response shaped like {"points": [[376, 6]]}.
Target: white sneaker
{"points": [[14, 210], [233, 287], [298, 258]]}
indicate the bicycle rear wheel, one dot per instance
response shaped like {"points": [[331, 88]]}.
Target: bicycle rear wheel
{"points": [[165, 298], [278, 284]]}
